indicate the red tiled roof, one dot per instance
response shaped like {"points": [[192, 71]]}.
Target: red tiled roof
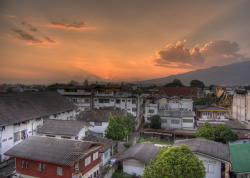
{"points": [[178, 91]]}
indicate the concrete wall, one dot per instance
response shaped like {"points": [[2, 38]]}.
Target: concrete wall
{"points": [[129, 168]]}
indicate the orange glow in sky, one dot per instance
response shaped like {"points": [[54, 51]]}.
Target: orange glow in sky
{"points": [[129, 40]]}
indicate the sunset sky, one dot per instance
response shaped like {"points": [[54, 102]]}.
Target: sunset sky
{"points": [[45, 41]]}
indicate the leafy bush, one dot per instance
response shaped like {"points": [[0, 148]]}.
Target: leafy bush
{"points": [[128, 144]]}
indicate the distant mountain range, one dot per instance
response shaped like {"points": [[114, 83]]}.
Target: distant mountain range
{"points": [[233, 74]]}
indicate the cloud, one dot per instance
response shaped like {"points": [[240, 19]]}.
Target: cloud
{"points": [[21, 35], [31, 39], [217, 52], [49, 40], [11, 16], [31, 27], [178, 55], [72, 26]]}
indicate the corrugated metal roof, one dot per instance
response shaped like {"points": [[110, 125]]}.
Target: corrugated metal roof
{"points": [[19, 107], [144, 152], [240, 156], [99, 115], [207, 147], [52, 150], [62, 127]]}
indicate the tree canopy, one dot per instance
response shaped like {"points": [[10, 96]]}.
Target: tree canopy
{"points": [[229, 135], [175, 83], [221, 133], [218, 130], [155, 122], [206, 131], [175, 162], [197, 83], [120, 127]]}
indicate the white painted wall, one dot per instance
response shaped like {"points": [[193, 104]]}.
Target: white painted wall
{"points": [[105, 157], [7, 135], [99, 129], [216, 173], [241, 141], [168, 124], [130, 169]]}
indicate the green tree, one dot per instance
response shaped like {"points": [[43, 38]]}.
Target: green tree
{"points": [[129, 123], [206, 131], [229, 135], [211, 99], [175, 83], [175, 162], [155, 122], [218, 130], [197, 83], [115, 129]]}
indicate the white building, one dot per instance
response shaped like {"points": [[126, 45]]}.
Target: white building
{"points": [[99, 118], [176, 113], [81, 96], [68, 129], [241, 105], [106, 151], [211, 153], [22, 114], [212, 113], [136, 157]]}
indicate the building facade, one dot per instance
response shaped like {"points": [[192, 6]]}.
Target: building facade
{"points": [[241, 105], [63, 158], [22, 114]]}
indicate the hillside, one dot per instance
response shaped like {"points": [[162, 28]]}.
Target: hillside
{"points": [[233, 74]]}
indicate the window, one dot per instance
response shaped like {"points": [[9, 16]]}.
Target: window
{"points": [[103, 100], [118, 101], [134, 109], [106, 154], [95, 156], [98, 123], [23, 134], [164, 121], [86, 100], [59, 171], [17, 136], [128, 100], [188, 120], [65, 137], [95, 175], [151, 111], [209, 168], [74, 100], [133, 101], [175, 122], [87, 160], [24, 164], [50, 136], [41, 167], [123, 101], [76, 138]]}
